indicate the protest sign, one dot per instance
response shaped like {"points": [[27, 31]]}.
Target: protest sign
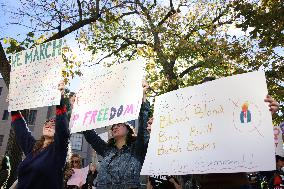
{"points": [[35, 75], [108, 96], [79, 177], [222, 126]]}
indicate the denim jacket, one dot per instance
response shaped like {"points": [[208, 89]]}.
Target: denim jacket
{"points": [[120, 168]]}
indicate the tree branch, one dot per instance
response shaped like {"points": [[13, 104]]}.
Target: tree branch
{"points": [[72, 28], [127, 14], [80, 9], [132, 54], [97, 13], [191, 68], [129, 40], [168, 15], [123, 46], [171, 4]]}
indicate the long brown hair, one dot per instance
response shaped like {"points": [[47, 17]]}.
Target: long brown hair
{"points": [[38, 146]]}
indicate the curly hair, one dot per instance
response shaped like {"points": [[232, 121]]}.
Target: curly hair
{"points": [[77, 156]]}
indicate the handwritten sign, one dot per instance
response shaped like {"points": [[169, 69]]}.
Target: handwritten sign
{"points": [[221, 126], [34, 78], [108, 96], [79, 177]]}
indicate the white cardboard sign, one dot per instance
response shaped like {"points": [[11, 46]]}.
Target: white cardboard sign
{"points": [[34, 78], [108, 96], [222, 126]]}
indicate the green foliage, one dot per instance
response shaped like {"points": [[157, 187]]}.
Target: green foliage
{"points": [[184, 43], [266, 18]]}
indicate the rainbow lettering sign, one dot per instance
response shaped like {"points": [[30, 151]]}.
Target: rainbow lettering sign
{"points": [[34, 78], [108, 96]]}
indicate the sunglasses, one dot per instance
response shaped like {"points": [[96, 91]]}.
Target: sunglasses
{"points": [[49, 120], [75, 161]]}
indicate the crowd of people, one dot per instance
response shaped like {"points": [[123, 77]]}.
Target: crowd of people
{"points": [[46, 167]]}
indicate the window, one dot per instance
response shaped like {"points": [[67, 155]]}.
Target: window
{"points": [[1, 88], [1, 139], [76, 141], [32, 117], [49, 112], [5, 115]]}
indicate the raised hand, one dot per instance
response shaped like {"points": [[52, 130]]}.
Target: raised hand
{"points": [[273, 104], [61, 87]]}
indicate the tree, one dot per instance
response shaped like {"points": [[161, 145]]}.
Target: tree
{"points": [[266, 22], [266, 18], [182, 41]]}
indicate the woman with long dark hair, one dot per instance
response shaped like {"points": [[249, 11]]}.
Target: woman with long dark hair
{"points": [[45, 159], [124, 153]]}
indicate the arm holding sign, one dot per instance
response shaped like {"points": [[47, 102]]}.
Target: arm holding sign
{"points": [[175, 182], [98, 144], [62, 133], [142, 139], [149, 185], [23, 136], [273, 104]]}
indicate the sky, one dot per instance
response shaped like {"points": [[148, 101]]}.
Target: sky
{"points": [[19, 33]]}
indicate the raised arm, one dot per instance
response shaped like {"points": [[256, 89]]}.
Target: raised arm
{"points": [[142, 139], [98, 144], [141, 143], [62, 133], [24, 137]]}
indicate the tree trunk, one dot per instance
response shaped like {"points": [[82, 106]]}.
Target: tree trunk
{"points": [[170, 75]]}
